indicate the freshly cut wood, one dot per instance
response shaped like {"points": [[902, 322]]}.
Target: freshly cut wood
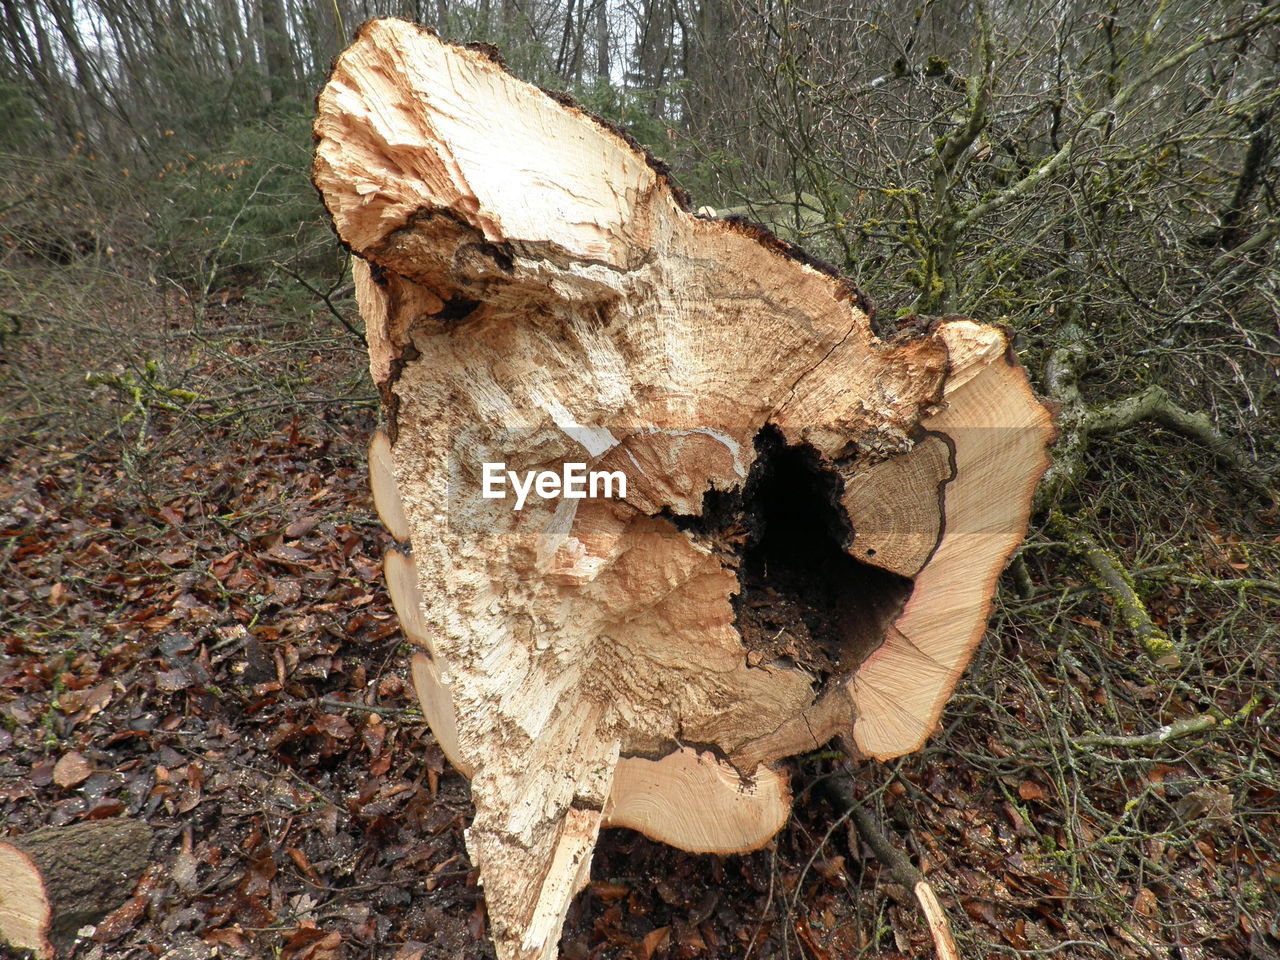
{"points": [[382, 480], [813, 518], [401, 574], [690, 800], [55, 880], [697, 802], [436, 700], [997, 456]]}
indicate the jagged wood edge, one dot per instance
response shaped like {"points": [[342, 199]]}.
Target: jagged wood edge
{"points": [[944, 688]]}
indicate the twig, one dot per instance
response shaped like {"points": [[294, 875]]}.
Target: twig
{"points": [[1170, 731], [348, 705], [324, 296], [1235, 583], [900, 866], [1099, 117]]}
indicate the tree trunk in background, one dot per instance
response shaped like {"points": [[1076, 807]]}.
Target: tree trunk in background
{"points": [[813, 520], [602, 40], [653, 52], [276, 62], [232, 35]]}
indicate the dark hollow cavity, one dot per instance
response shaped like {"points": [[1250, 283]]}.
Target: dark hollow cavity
{"points": [[802, 598]]}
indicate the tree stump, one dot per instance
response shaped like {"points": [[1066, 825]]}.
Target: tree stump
{"points": [[55, 880], [813, 519]]}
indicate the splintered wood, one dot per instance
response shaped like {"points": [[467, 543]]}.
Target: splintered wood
{"points": [[813, 518]]}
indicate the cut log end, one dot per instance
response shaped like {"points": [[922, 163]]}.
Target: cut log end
{"points": [[25, 911], [812, 520], [386, 494], [697, 802], [57, 879]]}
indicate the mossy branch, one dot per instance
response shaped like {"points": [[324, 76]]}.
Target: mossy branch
{"points": [[1155, 404], [1115, 581], [1170, 731], [1078, 423]]}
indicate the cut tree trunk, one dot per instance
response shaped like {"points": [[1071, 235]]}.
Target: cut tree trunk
{"points": [[813, 521], [55, 880]]}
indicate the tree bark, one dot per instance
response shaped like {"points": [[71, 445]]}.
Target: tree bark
{"points": [[55, 880], [813, 520]]}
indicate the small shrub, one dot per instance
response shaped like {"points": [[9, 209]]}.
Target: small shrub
{"points": [[228, 215]]}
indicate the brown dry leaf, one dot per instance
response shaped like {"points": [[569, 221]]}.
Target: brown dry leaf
{"points": [[300, 528], [609, 891], [289, 555], [1145, 903], [805, 934], [183, 872], [242, 580], [1209, 801], [189, 799], [72, 770], [105, 809], [288, 592], [326, 949], [98, 697], [16, 790], [654, 941], [1029, 790], [121, 920], [333, 725], [1019, 823], [300, 861], [171, 681], [980, 909]]}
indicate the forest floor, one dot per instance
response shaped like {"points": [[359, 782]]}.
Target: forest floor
{"points": [[195, 634]]}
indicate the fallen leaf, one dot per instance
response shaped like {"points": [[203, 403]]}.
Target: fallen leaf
{"points": [[609, 891], [72, 770], [120, 921], [1145, 903], [654, 941], [1029, 790], [300, 528], [171, 681]]}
